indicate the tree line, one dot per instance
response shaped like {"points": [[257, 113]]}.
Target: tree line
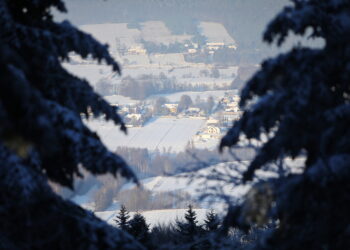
{"points": [[182, 231], [186, 232], [146, 85]]}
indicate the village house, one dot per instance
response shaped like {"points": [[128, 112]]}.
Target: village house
{"points": [[134, 116], [212, 130], [191, 51], [227, 117], [137, 50], [236, 98], [215, 45], [212, 121], [172, 107], [232, 105], [234, 109]]}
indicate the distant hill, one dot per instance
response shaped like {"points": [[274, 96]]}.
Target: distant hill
{"points": [[244, 19]]}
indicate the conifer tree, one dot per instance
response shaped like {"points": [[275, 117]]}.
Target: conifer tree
{"points": [[122, 219], [211, 222], [139, 228], [42, 136], [300, 100], [189, 228]]}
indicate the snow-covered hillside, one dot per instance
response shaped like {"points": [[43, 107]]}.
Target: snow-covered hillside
{"points": [[158, 32], [201, 182], [113, 34], [216, 33], [218, 181]]}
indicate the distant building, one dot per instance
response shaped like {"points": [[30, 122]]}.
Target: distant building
{"points": [[192, 51], [232, 109], [227, 117], [232, 105], [212, 121], [236, 98], [194, 109], [172, 107], [212, 130], [137, 50], [215, 45], [134, 116]]}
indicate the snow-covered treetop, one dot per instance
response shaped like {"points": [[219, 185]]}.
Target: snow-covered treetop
{"points": [[326, 19], [41, 103], [293, 92]]}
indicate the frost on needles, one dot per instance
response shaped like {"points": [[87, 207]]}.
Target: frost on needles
{"points": [[301, 100], [42, 136]]}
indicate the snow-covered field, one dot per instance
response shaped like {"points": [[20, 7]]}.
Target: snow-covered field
{"points": [[121, 100], [168, 59], [158, 32], [216, 33], [113, 34], [161, 133]]}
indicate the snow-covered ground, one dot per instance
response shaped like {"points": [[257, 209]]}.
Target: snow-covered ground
{"points": [[158, 32], [189, 75], [168, 59], [162, 133]]}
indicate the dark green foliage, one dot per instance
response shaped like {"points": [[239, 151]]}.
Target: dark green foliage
{"points": [[42, 136], [122, 219], [189, 229], [146, 85], [185, 103], [211, 222], [139, 228], [164, 235], [154, 48], [301, 99], [159, 108]]}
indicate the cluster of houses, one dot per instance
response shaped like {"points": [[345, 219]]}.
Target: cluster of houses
{"points": [[221, 117], [190, 47], [135, 115], [172, 110], [225, 113], [229, 110]]}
